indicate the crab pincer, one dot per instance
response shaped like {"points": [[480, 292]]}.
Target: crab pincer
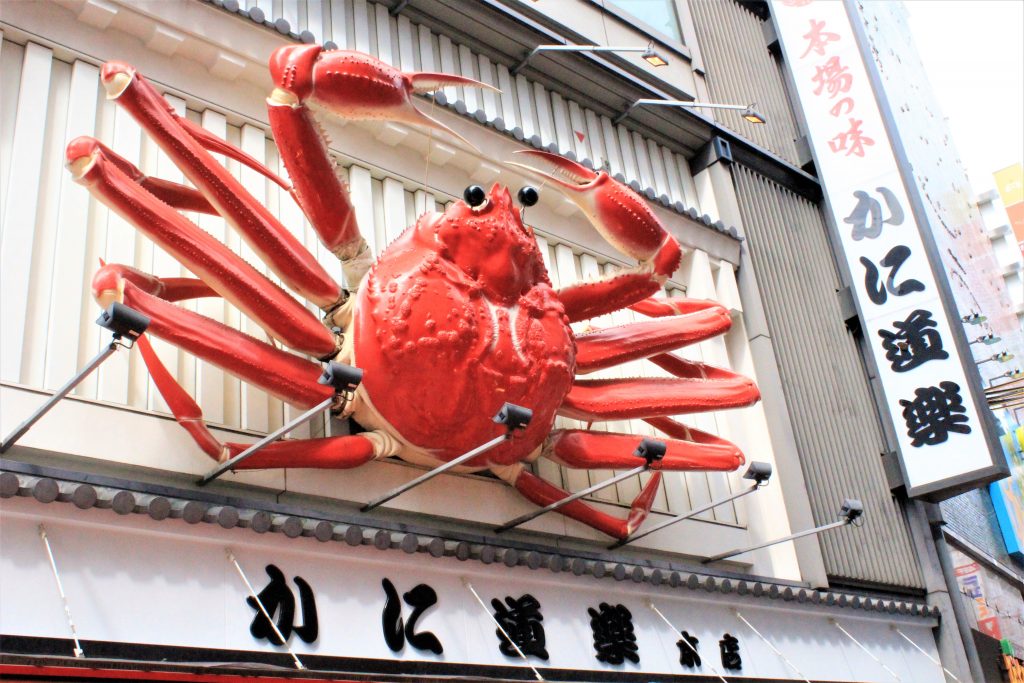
{"points": [[624, 220]]}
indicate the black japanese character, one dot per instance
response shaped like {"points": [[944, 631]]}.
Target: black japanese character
{"points": [[521, 621], [934, 413], [614, 639], [729, 646], [892, 260], [914, 343], [277, 598], [870, 208], [420, 598], [688, 650]]}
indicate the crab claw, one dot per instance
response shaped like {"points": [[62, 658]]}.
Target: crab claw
{"points": [[621, 216], [354, 85]]}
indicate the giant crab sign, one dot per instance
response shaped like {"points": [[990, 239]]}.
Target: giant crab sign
{"points": [[461, 300]]}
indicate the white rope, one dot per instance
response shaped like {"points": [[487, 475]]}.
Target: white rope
{"points": [[511, 642], [918, 647], [263, 610], [677, 632], [866, 651], [79, 652], [771, 646]]}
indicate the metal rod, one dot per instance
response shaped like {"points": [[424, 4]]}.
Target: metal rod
{"points": [[572, 48], [263, 610], [79, 652], [919, 649], [791, 537], [688, 103], [20, 430], [434, 472], [568, 499], [511, 642], [678, 633], [265, 441], [774, 649], [685, 515], [866, 651]]}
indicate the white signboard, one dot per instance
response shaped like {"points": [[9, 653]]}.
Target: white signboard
{"points": [[132, 580], [942, 440]]}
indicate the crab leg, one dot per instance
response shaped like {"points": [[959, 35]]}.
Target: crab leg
{"points": [[596, 400], [352, 86], [223, 270], [676, 305], [615, 345], [278, 248], [540, 492], [688, 450], [336, 452], [625, 220], [282, 374]]}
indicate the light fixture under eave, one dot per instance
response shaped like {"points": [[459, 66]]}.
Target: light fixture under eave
{"points": [[649, 54], [987, 339], [747, 110], [974, 319]]}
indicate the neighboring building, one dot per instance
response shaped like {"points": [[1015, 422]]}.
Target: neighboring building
{"points": [[141, 549], [1005, 243]]}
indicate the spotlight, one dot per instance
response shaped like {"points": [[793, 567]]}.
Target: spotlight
{"points": [[651, 450], [752, 116], [987, 339], [759, 472], [514, 417], [344, 378], [973, 319], [653, 58], [851, 510], [123, 321]]}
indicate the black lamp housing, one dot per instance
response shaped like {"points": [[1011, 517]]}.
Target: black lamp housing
{"points": [[344, 378], [651, 450], [123, 321], [758, 472], [514, 417], [852, 509]]}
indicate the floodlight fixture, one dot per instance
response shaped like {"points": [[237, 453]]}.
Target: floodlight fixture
{"points": [[119, 319], [514, 417], [987, 339], [1001, 357], [1013, 375], [758, 472], [651, 450], [851, 510], [343, 378], [747, 110], [973, 319], [123, 321], [648, 53]]}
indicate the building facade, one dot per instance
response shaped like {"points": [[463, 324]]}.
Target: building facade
{"points": [[102, 492]]}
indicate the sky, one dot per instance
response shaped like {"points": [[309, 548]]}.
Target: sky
{"points": [[973, 51]]}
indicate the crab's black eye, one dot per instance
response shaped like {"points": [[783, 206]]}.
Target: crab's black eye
{"points": [[528, 196], [474, 195]]}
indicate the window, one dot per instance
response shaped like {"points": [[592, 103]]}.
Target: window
{"points": [[658, 14]]}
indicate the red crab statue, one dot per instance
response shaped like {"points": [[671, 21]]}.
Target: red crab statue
{"points": [[460, 302]]}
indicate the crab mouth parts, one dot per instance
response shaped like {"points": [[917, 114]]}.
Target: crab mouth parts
{"points": [[482, 207]]}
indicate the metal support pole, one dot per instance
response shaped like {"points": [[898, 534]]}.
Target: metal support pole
{"points": [[685, 515], [263, 610], [677, 632], [568, 499], [440, 469], [20, 430], [265, 441], [866, 651], [511, 642], [79, 652], [791, 537], [922, 651], [771, 646]]}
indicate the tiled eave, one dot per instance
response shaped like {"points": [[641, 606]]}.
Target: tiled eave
{"points": [[84, 491]]}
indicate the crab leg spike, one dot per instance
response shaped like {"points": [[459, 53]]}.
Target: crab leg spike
{"points": [[596, 400], [687, 450], [276, 246], [625, 220], [429, 81], [226, 273], [281, 374], [615, 345], [215, 144], [542, 493]]}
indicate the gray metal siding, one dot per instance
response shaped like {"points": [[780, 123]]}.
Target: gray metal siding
{"points": [[741, 70], [834, 420]]}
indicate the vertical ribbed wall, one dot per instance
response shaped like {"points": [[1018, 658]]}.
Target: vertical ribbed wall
{"points": [[830, 403], [740, 70]]}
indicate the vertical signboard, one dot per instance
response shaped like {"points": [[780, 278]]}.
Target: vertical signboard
{"points": [[942, 437], [1010, 184]]}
